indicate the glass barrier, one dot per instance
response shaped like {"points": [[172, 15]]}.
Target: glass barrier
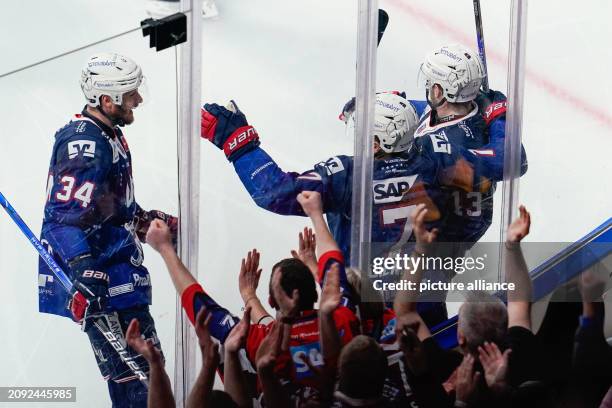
{"points": [[566, 134], [464, 211], [45, 350], [290, 72], [58, 28]]}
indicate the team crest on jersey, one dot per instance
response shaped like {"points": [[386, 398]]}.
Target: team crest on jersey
{"points": [[332, 166], [393, 189], [87, 147], [440, 143]]}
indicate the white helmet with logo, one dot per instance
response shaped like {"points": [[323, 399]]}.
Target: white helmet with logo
{"points": [[109, 74], [395, 121], [457, 69]]}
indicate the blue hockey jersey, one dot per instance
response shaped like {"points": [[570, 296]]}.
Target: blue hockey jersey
{"points": [[482, 132], [90, 210], [453, 170], [401, 181]]}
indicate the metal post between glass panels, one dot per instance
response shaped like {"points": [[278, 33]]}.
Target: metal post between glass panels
{"points": [[514, 118], [361, 228], [190, 73]]}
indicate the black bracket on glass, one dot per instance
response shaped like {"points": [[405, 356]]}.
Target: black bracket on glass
{"points": [[165, 32]]}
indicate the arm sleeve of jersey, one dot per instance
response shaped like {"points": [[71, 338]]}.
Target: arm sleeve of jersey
{"points": [[492, 154], [79, 193], [221, 322], [275, 190], [494, 107], [325, 263], [419, 107]]}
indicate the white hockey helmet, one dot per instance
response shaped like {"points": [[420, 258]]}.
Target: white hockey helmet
{"points": [[110, 74], [457, 69], [395, 121]]}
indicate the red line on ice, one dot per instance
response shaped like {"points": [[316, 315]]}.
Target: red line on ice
{"points": [[540, 80]]}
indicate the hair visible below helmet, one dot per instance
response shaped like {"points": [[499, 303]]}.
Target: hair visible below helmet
{"points": [[109, 74], [395, 121], [457, 69], [296, 275]]}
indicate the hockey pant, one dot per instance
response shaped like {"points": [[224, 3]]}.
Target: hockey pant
{"points": [[124, 387]]}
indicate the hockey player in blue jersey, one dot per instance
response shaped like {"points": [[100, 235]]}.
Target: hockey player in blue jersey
{"points": [[91, 221], [406, 173], [455, 109], [452, 76]]}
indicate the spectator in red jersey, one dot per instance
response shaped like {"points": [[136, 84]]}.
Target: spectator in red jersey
{"points": [[297, 285]]}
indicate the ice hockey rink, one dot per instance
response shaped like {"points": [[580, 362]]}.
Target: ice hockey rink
{"points": [[290, 66]]}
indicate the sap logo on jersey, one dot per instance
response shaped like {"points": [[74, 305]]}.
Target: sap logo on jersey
{"points": [[87, 147], [392, 190]]}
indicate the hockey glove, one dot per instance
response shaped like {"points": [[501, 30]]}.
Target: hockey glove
{"points": [[228, 129], [90, 291], [142, 220]]}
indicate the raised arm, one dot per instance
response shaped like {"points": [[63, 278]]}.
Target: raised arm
{"points": [[202, 389], [233, 376], [160, 389], [160, 238], [248, 280], [519, 300], [269, 186], [193, 297], [313, 207], [405, 302], [328, 251]]}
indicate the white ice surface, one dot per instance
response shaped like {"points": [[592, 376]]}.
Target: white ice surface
{"points": [[290, 66]]}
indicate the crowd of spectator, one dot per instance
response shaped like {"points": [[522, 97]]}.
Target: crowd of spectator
{"points": [[351, 353]]}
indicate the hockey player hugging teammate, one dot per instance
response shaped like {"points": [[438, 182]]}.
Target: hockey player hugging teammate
{"points": [[451, 165], [91, 221]]}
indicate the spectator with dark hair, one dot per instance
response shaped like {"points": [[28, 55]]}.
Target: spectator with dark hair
{"points": [[296, 279], [362, 369], [298, 289]]}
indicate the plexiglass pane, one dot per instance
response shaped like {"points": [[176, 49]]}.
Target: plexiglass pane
{"points": [[290, 71], [43, 349]]}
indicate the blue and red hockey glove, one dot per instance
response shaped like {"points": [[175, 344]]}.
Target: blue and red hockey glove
{"points": [[90, 290], [228, 129]]}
